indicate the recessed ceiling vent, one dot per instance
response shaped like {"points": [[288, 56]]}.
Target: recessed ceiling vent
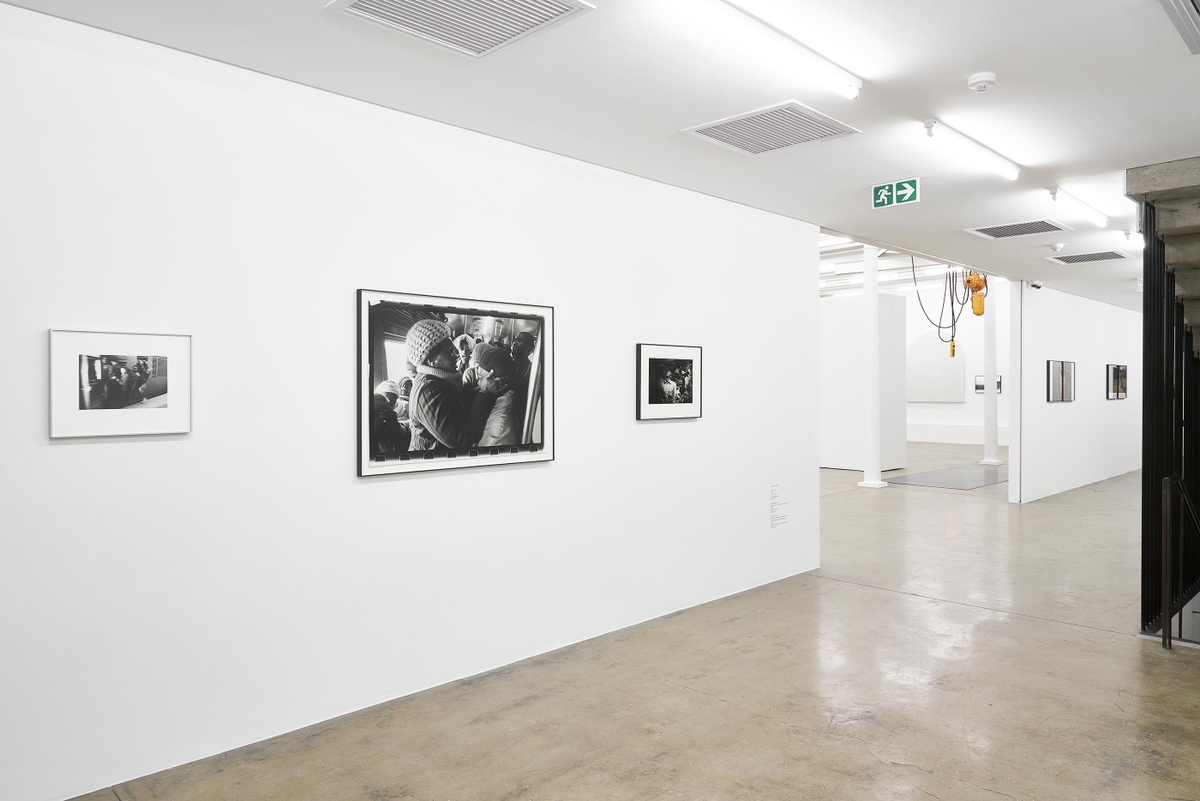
{"points": [[1018, 229], [1084, 258], [472, 27], [771, 129]]}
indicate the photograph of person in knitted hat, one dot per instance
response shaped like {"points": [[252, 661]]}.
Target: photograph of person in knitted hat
{"points": [[445, 384], [443, 412]]}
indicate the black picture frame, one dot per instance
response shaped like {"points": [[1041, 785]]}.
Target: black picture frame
{"points": [[1116, 384], [389, 427], [1060, 382], [670, 382]]}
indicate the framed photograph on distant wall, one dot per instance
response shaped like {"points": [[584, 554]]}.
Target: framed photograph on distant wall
{"points": [[669, 382], [1117, 384], [980, 385], [111, 384], [448, 382], [1060, 382]]}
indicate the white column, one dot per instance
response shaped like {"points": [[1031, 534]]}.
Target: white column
{"points": [[991, 403], [873, 458], [1015, 386]]}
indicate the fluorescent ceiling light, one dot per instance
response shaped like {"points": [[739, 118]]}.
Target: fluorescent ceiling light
{"points": [[831, 241], [848, 279], [1084, 210], [994, 161], [838, 80], [1186, 16]]}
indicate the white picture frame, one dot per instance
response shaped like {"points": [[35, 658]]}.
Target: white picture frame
{"points": [[119, 384]]}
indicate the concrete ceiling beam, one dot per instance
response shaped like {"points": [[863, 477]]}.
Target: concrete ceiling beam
{"points": [[1170, 180], [1183, 251], [1179, 217], [1191, 312], [1187, 282]]}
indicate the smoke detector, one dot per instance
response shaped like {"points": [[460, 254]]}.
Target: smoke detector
{"points": [[981, 81]]}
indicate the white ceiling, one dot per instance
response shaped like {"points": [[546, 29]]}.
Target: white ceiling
{"points": [[1085, 91]]}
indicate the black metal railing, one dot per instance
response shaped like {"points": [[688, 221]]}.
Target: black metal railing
{"points": [[1170, 442], [1176, 593]]}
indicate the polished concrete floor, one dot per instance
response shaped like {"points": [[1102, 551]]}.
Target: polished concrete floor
{"points": [[952, 647]]}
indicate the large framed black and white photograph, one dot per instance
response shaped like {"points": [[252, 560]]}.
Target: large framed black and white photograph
{"points": [[1060, 382], [114, 384], [669, 382], [1117, 383], [447, 382]]}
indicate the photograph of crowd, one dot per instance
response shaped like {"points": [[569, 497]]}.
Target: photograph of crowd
{"points": [[122, 382], [670, 381], [92, 386], [450, 381]]}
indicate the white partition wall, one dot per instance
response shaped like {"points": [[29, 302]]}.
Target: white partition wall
{"points": [[1065, 445], [840, 382], [163, 599], [955, 414]]}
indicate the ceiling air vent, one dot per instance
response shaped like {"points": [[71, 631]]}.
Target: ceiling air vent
{"points": [[771, 129], [1018, 229], [1084, 258], [472, 27]]}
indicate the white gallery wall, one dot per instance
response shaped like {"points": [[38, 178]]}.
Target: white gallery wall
{"points": [[957, 422], [1069, 445], [841, 382], [163, 599]]}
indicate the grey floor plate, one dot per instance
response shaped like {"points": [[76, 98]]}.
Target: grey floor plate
{"points": [[968, 477]]}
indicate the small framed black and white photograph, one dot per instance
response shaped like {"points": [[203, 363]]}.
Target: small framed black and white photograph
{"points": [[1117, 384], [448, 382], [1060, 382], [114, 384], [669, 382], [980, 385]]}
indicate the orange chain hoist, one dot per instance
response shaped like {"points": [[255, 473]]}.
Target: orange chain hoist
{"points": [[977, 285]]}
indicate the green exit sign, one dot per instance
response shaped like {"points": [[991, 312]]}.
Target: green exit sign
{"points": [[896, 193]]}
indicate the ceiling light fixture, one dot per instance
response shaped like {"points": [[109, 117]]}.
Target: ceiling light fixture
{"points": [[839, 80], [995, 162], [1087, 212]]}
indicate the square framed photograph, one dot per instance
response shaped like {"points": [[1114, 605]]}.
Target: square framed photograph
{"points": [[445, 383], [1117, 384], [114, 384], [669, 382]]}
